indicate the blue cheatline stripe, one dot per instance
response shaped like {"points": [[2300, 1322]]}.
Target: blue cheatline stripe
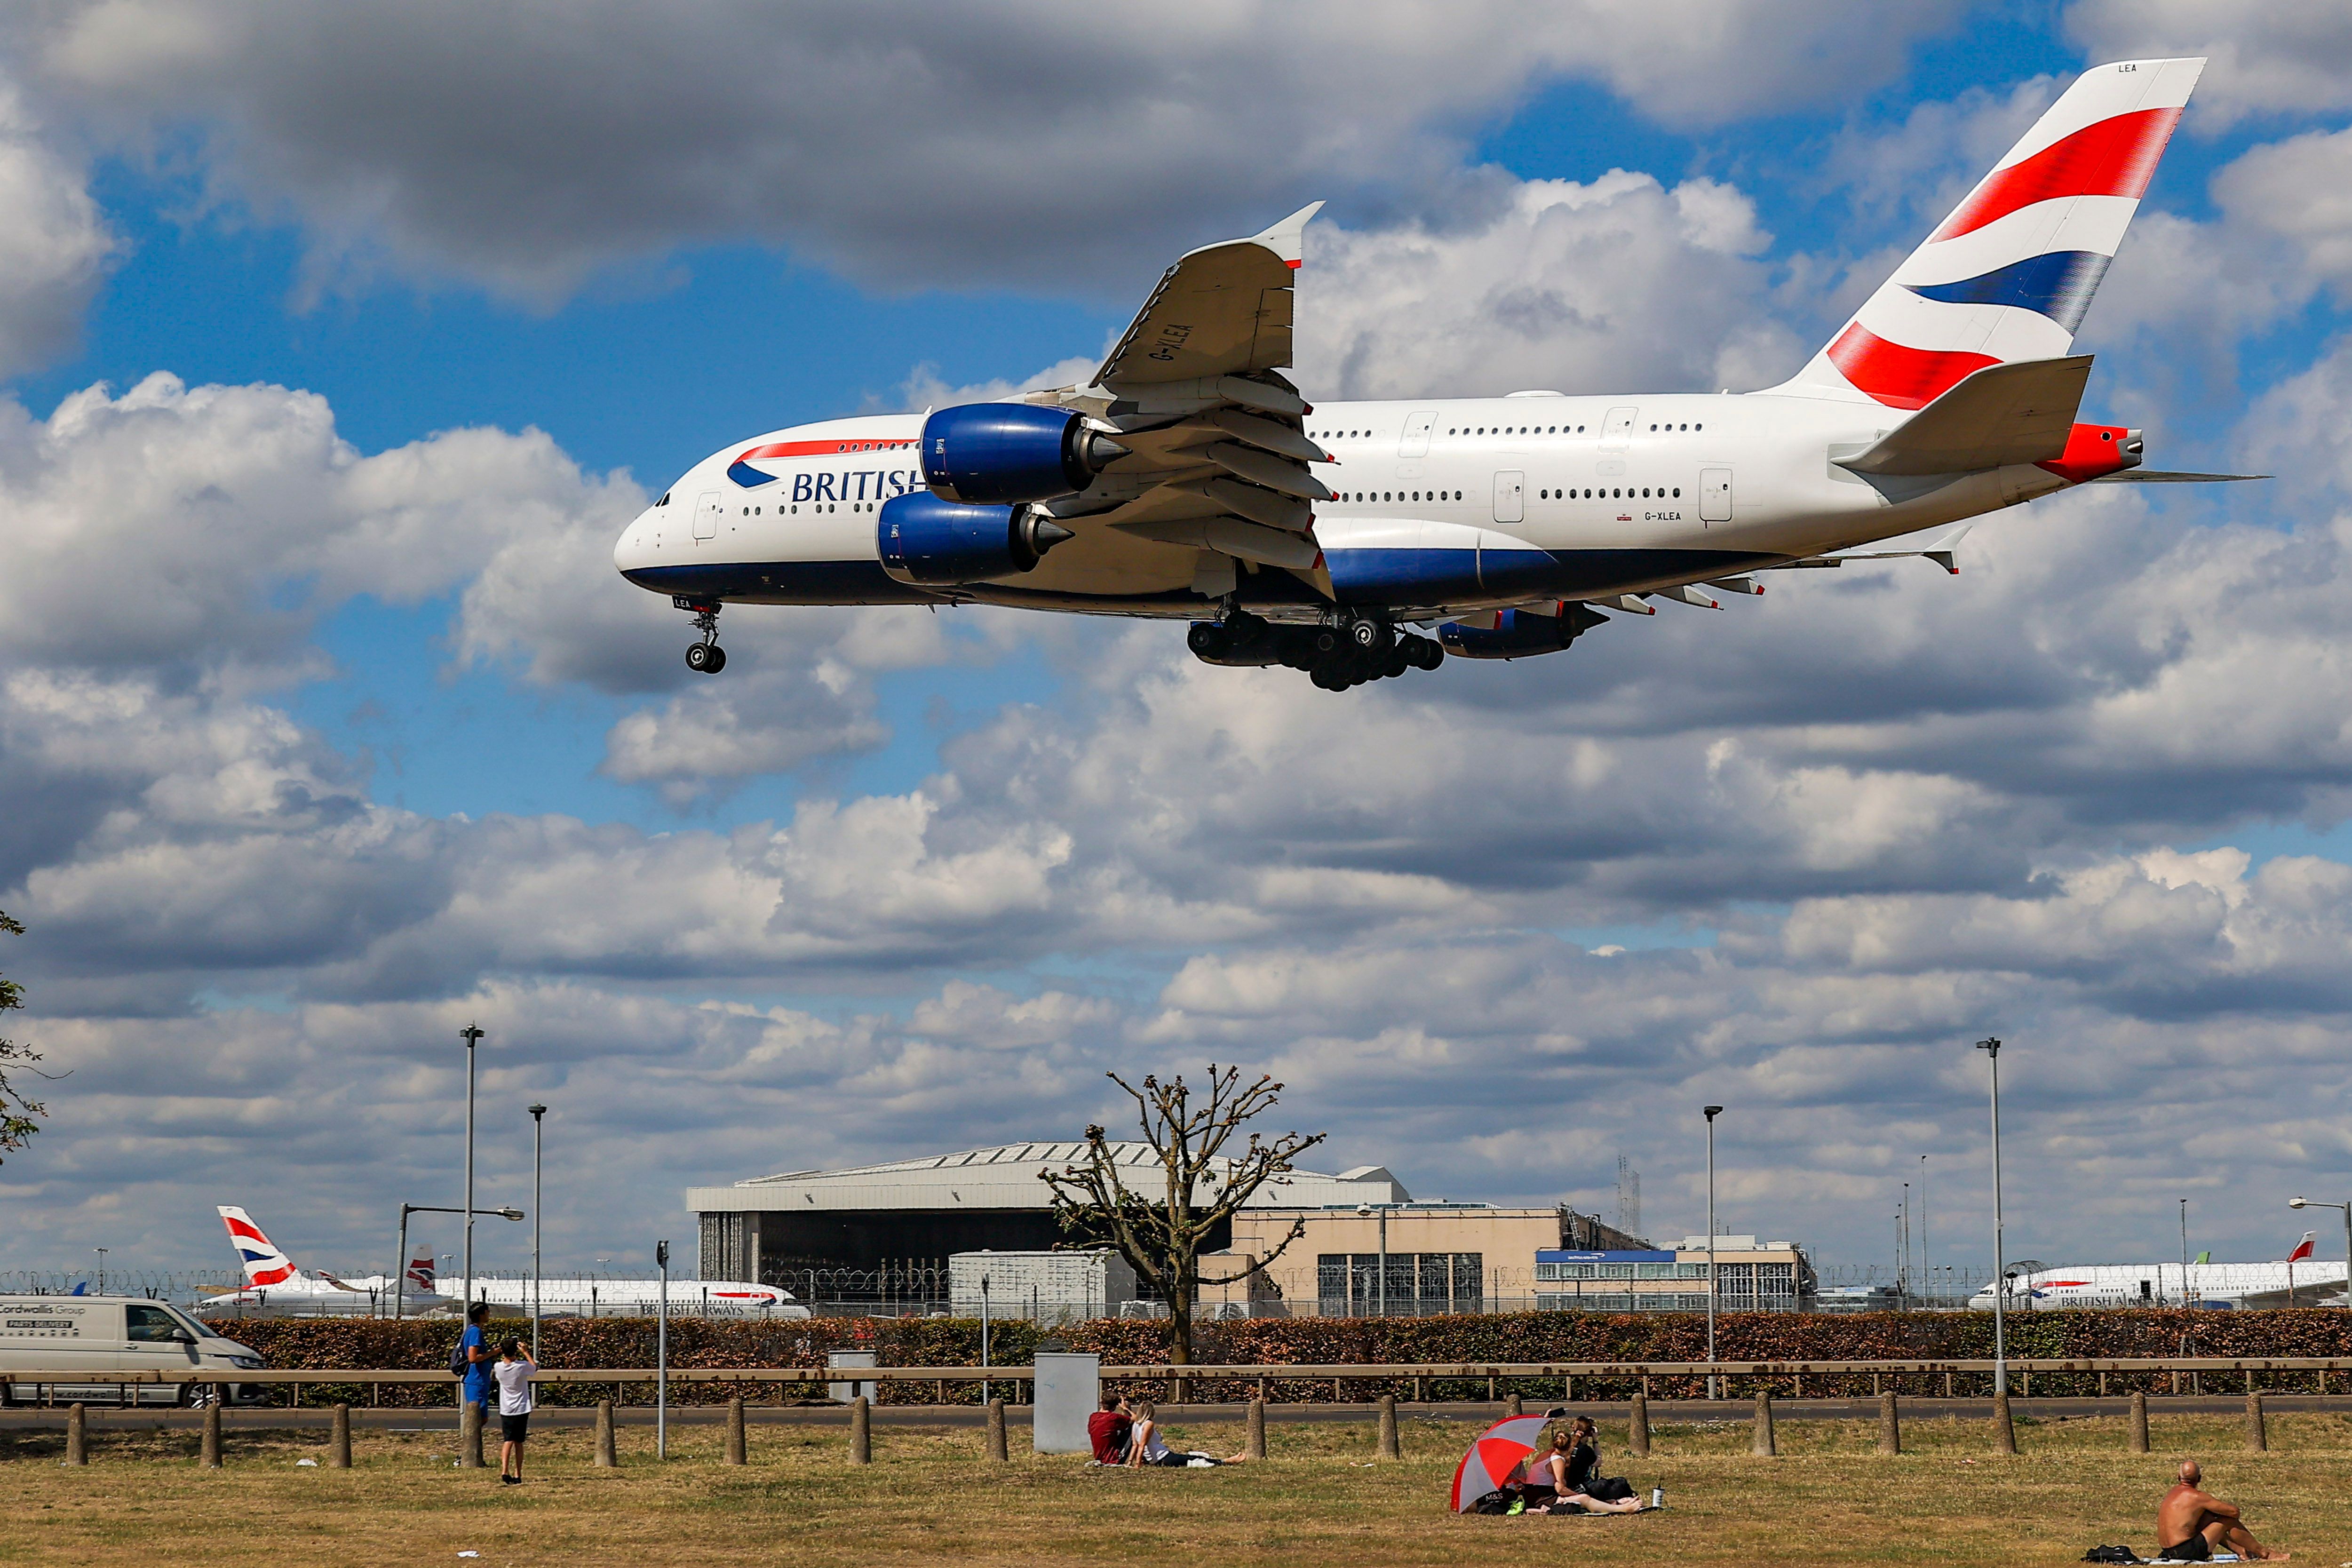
{"points": [[749, 477], [2057, 284]]}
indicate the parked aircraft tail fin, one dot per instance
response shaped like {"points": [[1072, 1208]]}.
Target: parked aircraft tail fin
{"points": [[420, 1270], [2008, 276], [264, 1264]]}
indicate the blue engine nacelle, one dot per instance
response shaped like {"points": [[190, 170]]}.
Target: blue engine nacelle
{"points": [[1520, 634], [935, 543], [995, 453]]}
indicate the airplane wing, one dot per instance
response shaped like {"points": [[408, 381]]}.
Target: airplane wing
{"points": [[1218, 455]]}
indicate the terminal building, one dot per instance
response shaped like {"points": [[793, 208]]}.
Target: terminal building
{"points": [[883, 1235], [1751, 1276]]}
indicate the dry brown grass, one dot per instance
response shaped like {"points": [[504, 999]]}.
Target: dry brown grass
{"points": [[931, 1497]]}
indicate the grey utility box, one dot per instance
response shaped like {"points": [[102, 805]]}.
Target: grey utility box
{"points": [[1069, 1389], [845, 1392]]}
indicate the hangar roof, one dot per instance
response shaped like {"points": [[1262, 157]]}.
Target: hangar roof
{"points": [[1006, 1177]]}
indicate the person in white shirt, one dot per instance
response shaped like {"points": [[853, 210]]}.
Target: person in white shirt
{"points": [[513, 1373], [1146, 1448]]}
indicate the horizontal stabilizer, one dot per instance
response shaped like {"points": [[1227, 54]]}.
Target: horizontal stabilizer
{"points": [[2159, 476], [2001, 415]]}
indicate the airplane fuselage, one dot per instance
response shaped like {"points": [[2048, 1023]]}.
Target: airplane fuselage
{"points": [[1443, 506]]}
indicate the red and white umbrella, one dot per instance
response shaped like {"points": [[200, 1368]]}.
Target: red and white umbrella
{"points": [[1494, 1453]]}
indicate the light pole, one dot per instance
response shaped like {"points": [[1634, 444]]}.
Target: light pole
{"points": [[1902, 1253], [538, 1213], [1991, 1049], [983, 1340], [399, 1284], [2302, 1203], [661, 1358], [2184, 1252], [1714, 1387], [472, 1036], [1927, 1279]]}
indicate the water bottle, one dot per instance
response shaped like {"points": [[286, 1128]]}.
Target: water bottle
{"points": [[1657, 1497]]}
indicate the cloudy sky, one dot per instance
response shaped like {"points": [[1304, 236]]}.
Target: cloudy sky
{"points": [[340, 340]]}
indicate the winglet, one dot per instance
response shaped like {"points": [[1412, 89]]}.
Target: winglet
{"points": [[1288, 238]]}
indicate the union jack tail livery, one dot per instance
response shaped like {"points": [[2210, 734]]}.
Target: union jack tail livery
{"points": [[420, 1270], [2010, 274], [264, 1265], [2302, 1248]]}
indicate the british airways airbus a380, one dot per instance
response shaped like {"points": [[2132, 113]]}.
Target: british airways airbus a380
{"points": [[1191, 479]]}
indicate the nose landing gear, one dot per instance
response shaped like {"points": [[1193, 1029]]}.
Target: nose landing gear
{"points": [[706, 655]]}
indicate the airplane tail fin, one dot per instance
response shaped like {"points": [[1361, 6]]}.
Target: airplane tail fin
{"points": [[2008, 276], [2302, 1248], [264, 1264], [420, 1270]]}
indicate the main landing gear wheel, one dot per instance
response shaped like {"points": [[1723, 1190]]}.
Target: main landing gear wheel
{"points": [[705, 657]]}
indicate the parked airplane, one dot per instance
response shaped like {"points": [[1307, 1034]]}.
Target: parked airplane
{"points": [[1190, 479], [633, 1297], [2298, 1280], [273, 1282]]}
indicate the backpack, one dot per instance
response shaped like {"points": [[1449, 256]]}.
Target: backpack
{"points": [[2111, 1554], [1609, 1489], [1493, 1502], [458, 1364]]}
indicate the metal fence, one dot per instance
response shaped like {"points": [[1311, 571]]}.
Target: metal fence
{"points": [[162, 1285]]}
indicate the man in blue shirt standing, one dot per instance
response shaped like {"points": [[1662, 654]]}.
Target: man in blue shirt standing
{"points": [[480, 1375]]}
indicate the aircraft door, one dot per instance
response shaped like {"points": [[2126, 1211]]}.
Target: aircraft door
{"points": [[1618, 428], [1714, 495], [1416, 433], [1510, 495], [705, 515]]}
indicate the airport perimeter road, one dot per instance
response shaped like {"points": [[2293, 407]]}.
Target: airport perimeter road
{"points": [[1663, 1412]]}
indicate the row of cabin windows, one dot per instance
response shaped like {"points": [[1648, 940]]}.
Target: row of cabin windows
{"points": [[1371, 496], [818, 507], [1503, 430], [1623, 492]]}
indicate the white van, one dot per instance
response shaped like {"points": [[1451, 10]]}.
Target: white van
{"points": [[63, 1334]]}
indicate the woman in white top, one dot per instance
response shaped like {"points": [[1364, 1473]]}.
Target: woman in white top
{"points": [[1145, 1446], [513, 1373]]}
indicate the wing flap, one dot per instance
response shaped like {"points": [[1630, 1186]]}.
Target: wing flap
{"points": [[2001, 415]]}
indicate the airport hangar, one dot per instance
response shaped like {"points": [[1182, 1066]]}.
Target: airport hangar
{"points": [[905, 1218]]}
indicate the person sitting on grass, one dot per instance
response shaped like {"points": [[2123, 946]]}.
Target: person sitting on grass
{"points": [[1146, 1448], [1554, 1479], [2192, 1525], [513, 1373], [1107, 1430]]}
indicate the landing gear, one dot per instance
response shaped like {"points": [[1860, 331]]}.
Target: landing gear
{"points": [[1346, 650], [705, 657]]}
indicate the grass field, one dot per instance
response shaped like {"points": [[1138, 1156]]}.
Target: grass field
{"points": [[931, 1496]]}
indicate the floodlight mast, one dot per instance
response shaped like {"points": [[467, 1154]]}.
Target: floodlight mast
{"points": [[1991, 1049]]}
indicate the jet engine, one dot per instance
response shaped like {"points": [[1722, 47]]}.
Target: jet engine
{"points": [[932, 543], [993, 453], [1519, 634]]}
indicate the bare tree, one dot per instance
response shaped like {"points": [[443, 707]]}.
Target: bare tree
{"points": [[1162, 1234], [19, 1117]]}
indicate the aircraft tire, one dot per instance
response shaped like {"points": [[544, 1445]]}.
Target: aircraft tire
{"points": [[1367, 634]]}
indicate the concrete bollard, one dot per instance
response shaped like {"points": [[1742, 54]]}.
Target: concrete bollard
{"points": [[2139, 1421], [736, 1445], [339, 1442], [2257, 1440], [2004, 1431], [1256, 1447], [1513, 1406], [209, 1455], [469, 1434], [76, 1436], [1890, 1425], [861, 1432], [1637, 1429], [1765, 1442], [998, 1449], [607, 1454], [1389, 1450]]}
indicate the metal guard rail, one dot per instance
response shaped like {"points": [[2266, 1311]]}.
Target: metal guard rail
{"points": [[1163, 1371]]}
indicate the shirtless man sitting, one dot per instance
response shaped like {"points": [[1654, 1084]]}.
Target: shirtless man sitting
{"points": [[2192, 1525]]}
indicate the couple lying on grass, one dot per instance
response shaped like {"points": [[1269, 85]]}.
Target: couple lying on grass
{"points": [[1129, 1434]]}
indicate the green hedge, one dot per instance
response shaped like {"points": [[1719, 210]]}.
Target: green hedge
{"points": [[327, 1342]]}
